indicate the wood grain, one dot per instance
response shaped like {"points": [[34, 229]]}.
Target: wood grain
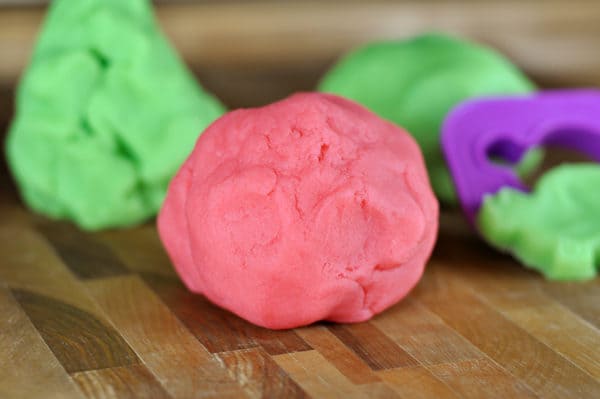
{"points": [[206, 322], [78, 339], [126, 382], [372, 346], [328, 382], [28, 369], [140, 249], [86, 258], [259, 375], [583, 299], [161, 340], [250, 52], [477, 325], [424, 335], [481, 378], [522, 355], [337, 353], [417, 383]]}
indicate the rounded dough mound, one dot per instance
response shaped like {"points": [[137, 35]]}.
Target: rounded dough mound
{"points": [[416, 82], [312, 208]]}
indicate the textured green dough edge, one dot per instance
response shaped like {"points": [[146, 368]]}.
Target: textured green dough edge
{"points": [[106, 114], [555, 229], [416, 82]]}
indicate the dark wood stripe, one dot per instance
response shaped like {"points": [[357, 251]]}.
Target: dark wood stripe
{"points": [[372, 346], [127, 382], [85, 257], [218, 329], [278, 342], [78, 339], [264, 378]]}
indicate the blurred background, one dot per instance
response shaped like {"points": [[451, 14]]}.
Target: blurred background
{"points": [[253, 52]]}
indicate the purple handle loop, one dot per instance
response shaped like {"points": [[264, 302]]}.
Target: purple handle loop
{"points": [[507, 127]]}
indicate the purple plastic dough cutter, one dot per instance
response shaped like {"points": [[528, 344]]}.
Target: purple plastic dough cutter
{"points": [[507, 127]]}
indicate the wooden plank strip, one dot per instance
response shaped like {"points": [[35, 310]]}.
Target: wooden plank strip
{"points": [[139, 248], [28, 369], [328, 382], [32, 264], [338, 354], [278, 342], [181, 364], [551, 39], [480, 378], [85, 257], [372, 346], [128, 382], [416, 383], [523, 298], [259, 375], [78, 339], [545, 371], [582, 298], [218, 329], [424, 335], [554, 325]]}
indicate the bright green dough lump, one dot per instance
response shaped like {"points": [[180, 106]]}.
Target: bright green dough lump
{"points": [[414, 83], [556, 228], [106, 113]]}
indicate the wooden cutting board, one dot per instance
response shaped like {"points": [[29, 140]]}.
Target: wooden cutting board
{"points": [[104, 316]]}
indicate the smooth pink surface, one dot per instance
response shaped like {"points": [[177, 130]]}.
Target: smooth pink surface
{"points": [[310, 208]]}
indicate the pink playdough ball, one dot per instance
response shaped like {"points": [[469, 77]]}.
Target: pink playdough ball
{"points": [[311, 208]]}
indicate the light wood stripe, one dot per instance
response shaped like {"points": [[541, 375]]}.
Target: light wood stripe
{"points": [[424, 335], [328, 382], [342, 357], [481, 378], [522, 355], [417, 383]]}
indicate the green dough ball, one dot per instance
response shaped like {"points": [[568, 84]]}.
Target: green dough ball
{"points": [[554, 229], [106, 113], [415, 83]]}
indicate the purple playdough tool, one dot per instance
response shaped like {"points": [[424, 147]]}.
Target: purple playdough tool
{"points": [[506, 127]]}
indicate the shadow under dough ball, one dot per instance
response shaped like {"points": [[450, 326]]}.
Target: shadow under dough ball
{"points": [[311, 208], [106, 113], [416, 82]]}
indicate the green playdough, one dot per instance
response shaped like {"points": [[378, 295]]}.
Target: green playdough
{"points": [[106, 113], [414, 83], [555, 228]]}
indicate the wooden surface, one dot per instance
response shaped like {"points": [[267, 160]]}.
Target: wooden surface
{"points": [[103, 315], [251, 52]]}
